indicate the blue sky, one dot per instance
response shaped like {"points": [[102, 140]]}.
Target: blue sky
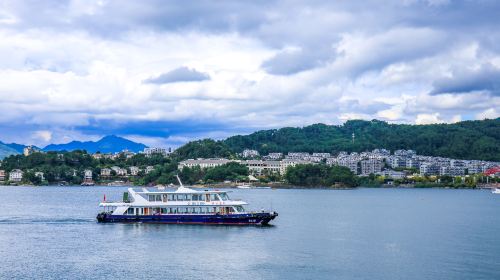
{"points": [[166, 72]]}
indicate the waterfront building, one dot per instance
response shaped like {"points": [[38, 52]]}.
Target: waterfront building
{"points": [[247, 153], [159, 151], [259, 167], [2, 175], [371, 166], [134, 170], [284, 164], [429, 168], [350, 163], [16, 175], [119, 171], [87, 174], [149, 168], [87, 178], [389, 173], [204, 163], [105, 172]]}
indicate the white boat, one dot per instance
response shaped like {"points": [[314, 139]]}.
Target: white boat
{"points": [[243, 187], [181, 206], [495, 191]]}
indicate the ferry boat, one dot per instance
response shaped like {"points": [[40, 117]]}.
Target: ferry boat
{"points": [[181, 206], [495, 191]]}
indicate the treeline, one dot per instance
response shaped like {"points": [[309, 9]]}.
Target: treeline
{"points": [[70, 166], [463, 140], [313, 175]]}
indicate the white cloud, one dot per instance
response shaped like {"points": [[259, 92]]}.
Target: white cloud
{"points": [[68, 68]]}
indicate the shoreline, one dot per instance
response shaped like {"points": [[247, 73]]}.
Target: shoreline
{"points": [[277, 186]]}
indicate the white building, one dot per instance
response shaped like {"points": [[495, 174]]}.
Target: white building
{"points": [[299, 156], [152, 151], [105, 172], [87, 175], [149, 168], [119, 171], [259, 167], [429, 168], [284, 164], [388, 173], [40, 175], [274, 156], [397, 161], [350, 163], [204, 163], [134, 170], [16, 175], [247, 153], [370, 166], [28, 150]]}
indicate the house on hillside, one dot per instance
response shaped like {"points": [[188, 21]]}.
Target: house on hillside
{"points": [[16, 175]]}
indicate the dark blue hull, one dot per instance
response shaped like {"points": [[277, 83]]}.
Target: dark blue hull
{"points": [[230, 219]]}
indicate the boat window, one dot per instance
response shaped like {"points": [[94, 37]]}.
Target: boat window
{"points": [[170, 197], [240, 209], [223, 196], [214, 197], [130, 211], [158, 197], [207, 197], [164, 197], [164, 210]]}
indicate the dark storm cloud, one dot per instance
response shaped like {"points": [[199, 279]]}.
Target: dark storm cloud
{"points": [[181, 74], [485, 79]]}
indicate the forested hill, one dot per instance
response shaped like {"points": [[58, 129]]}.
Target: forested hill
{"points": [[462, 140]]}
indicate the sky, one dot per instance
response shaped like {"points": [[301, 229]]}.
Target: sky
{"points": [[167, 72]]}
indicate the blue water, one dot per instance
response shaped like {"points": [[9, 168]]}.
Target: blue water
{"points": [[51, 233]]}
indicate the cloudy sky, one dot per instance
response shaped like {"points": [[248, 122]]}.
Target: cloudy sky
{"points": [[165, 72]]}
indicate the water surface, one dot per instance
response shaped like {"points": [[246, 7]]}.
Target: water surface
{"points": [[51, 233]]}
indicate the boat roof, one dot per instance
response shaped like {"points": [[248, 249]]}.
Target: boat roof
{"points": [[179, 190]]}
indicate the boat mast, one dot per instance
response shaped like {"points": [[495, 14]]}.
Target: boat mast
{"points": [[179, 179]]}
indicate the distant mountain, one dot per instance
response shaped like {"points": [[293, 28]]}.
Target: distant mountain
{"points": [[18, 147], [462, 140], [108, 144], [6, 150]]}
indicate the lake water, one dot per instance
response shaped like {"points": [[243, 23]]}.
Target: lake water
{"points": [[51, 233]]}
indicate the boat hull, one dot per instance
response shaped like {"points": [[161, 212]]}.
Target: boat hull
{"points": [[231, 219]]}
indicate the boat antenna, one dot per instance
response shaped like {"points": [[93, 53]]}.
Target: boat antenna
{"points": [[179, 179]]}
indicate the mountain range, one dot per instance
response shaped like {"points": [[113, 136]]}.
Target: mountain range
{"points": [[108, 144]]}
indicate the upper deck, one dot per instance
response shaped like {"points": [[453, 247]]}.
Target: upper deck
{"points": [[181, 196]]}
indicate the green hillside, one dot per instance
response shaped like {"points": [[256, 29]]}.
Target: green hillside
{"points": [[462, 140]]}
